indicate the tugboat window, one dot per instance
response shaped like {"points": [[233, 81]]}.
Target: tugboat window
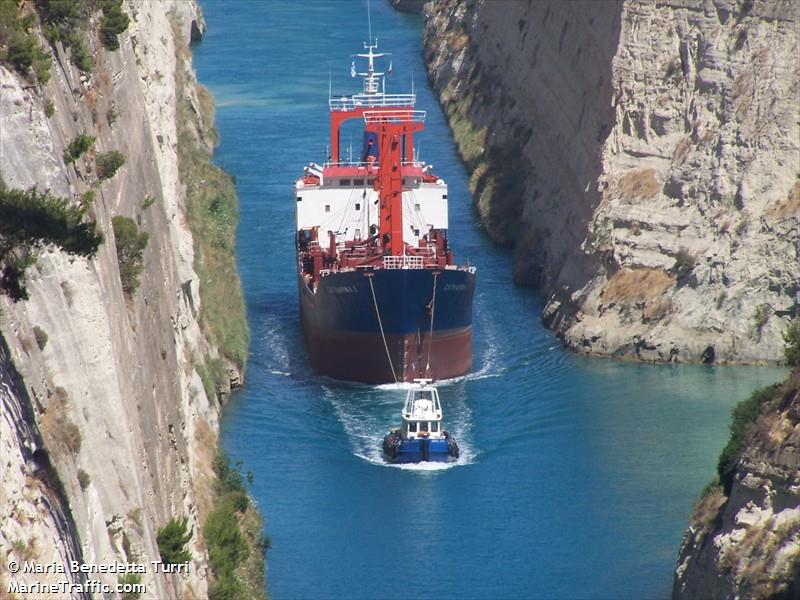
{"points": [[344, 182], [327, 208], [423, 426], [435, 427], [358, 182], [412, 427]]}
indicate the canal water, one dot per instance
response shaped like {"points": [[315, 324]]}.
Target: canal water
{"points": [[578, 475]]}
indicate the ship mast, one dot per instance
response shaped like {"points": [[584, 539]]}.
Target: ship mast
{"points": [[371, 77]]}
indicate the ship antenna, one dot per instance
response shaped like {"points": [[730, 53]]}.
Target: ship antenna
{"points": [[369, 23]]}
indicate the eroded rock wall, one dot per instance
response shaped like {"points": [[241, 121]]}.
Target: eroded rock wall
{"points": [[109, 399], [642, 158], [747, 544]]}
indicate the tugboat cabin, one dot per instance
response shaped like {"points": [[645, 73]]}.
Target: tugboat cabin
{"points": [[422, 413]]}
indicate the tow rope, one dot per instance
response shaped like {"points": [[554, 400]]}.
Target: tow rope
{"points": [[380, 325], [430, 334]]}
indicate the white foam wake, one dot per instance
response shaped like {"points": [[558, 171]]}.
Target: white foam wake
{"points": [[368, 415]]}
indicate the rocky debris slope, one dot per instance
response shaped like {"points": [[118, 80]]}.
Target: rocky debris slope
{"points": [[642, 158], [746, 544], [107, 431]]}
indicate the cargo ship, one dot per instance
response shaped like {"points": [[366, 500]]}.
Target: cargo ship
{"points": [[381, 298]]}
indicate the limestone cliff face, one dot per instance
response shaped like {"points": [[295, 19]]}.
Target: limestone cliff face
{"points": [[106, 430], [643, 159], [747, 545]]}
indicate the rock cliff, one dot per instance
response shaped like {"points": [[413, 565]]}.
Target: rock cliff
{"points": [[744, 542], [642, 158], [109, 426]]}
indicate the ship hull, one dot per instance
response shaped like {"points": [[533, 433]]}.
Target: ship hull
{"points": [[347, 338], [422, 450]]}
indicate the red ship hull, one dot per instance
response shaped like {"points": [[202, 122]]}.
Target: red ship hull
{"points": [[365, 360]]}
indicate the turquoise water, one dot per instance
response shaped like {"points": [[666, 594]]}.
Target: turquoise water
{"points": [[578, 475]]}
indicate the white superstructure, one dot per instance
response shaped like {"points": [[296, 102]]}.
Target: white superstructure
{"points": [[348, 206]]}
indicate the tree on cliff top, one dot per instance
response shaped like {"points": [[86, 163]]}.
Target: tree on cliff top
{"points": [[113, 23], [31, 220]]}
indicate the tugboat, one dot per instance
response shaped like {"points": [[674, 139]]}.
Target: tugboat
{"points": [[421, 437], [382, 299]]}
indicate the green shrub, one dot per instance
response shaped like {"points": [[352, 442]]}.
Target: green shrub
{"points": [[226, 546], [41, 337], [66, 13], [130, 244], [31, 220], [49, 108], [108, 163], [130, 579], [83, 479], [18, 46], [226, 587], [72, 437], [87, 198], [111, 115], [760, 318], [113, 23], [233, 535], [229, 478], [66, 21], [239, 500], [172, 540], [212, 215], [78, 147], [744, 415], [791, 340], [80, 54]]}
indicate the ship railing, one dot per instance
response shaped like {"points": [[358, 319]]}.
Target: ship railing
{"points": [[472, 270], [394, 116], [403, 262], [359, 165], [364, 165], [344, 103]]}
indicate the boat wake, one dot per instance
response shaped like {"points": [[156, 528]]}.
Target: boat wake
{"points": [[487, 370], [367, 415]]}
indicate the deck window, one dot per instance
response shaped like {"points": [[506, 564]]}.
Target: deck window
{"points": [[423, 426], [344, 182], [435, 427], [416, 207], [358, 182], [358, 206], [412, 427], [327, 208]]}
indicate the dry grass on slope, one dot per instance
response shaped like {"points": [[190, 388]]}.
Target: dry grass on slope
{"points": [[637, 285], [638, 184], [789, 206]]}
